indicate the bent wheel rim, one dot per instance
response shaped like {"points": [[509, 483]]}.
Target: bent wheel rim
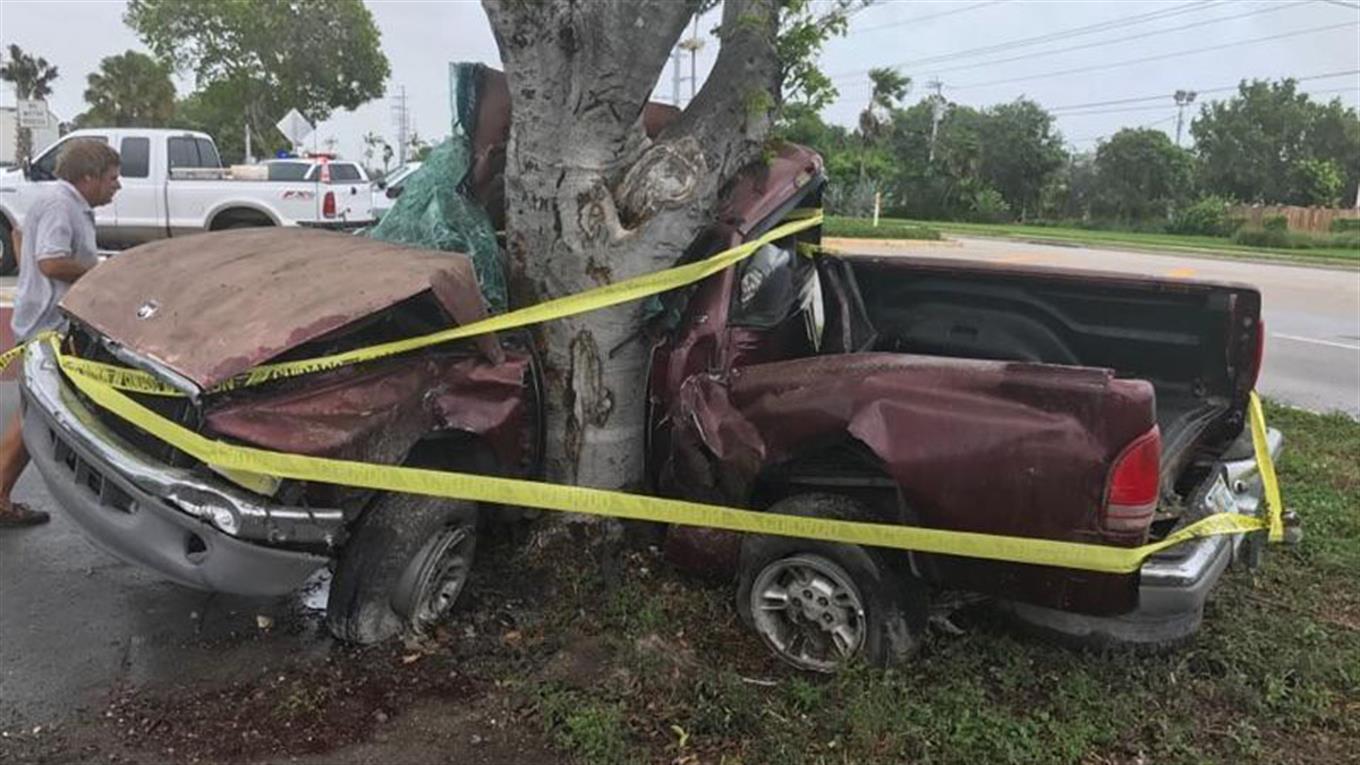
{"points": [[444, 563], [808, 610]]}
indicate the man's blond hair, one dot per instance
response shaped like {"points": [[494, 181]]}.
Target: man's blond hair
{"points": [[85, 157]]}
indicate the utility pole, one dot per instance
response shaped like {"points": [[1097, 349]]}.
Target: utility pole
{"points": [[936, 112], [1183, 99], [403, 120], [692, 44], [675, 77]]}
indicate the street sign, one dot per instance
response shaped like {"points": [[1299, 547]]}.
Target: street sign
{"points": [[294, 126], [32, 113]]}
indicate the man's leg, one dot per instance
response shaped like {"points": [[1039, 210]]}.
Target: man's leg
{"points": [[13, 460]]}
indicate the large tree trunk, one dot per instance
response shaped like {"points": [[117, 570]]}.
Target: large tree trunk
{"points": [[591, 200]]}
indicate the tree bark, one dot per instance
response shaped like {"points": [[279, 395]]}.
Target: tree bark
{"points": [[590, 200]]}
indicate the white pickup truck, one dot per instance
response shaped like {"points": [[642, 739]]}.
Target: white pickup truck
{"points": [[174, 184]]}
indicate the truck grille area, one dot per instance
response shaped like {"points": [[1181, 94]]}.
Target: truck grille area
{"points": [[85, 474], [176, 409]]}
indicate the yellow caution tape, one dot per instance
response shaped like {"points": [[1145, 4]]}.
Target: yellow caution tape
{"points": [[1266, 466], [9, 356], [624, 291], [578, 499]]}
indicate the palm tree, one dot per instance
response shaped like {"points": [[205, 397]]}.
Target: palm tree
{"points": [[889, 88], [32, 78], [129, 90]]}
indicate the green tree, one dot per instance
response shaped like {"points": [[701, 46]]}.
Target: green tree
{"points": [[1254, 146], [1317, 182], [1020, 152], [129, 90], [253, 60], [1141, 175], [216, 109], [32, 77]]}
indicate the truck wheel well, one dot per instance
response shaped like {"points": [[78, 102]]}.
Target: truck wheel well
{"points": [[849, 469], [461, 451], [239, 217]]}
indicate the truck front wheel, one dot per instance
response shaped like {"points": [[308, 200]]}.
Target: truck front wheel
{"points": [[403, 568], [821, 605]]}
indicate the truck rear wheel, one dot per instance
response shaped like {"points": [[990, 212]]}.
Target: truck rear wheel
{"points": [[821, 605], [403, 568]]}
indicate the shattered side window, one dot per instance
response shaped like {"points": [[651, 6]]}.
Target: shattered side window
{"points": [[766, 291]]}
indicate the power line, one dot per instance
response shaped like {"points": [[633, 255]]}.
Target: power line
{"points": [[928, 17], [1158, 107], [1103, 26], [1102, 43], [1221, 89], [1159, 57], [1107, 135]]}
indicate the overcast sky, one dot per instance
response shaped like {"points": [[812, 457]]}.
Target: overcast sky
{"points": [[1089, 55]]}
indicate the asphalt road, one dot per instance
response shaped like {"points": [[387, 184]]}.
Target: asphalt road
{"points": [[1312, 315], [76, 624]]}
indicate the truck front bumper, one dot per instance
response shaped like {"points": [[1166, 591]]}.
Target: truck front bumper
{"points": [[1174, 584], [145, 512]]}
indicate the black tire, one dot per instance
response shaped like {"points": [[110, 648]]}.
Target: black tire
{"points": [[9, 262], [388, 579], [891, 606]]}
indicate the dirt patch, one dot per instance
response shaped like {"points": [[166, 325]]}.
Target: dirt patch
{"points": [[304, 709]]}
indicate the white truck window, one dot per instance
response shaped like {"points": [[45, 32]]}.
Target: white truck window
{"points": [[187, 151], [44, 168], [135, 157], [288, 171], [345, 171]]}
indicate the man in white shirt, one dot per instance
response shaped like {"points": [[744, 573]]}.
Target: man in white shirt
{"points": [[58, 248]]}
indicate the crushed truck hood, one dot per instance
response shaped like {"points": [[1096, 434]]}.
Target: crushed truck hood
{"points": [[211, 306]]}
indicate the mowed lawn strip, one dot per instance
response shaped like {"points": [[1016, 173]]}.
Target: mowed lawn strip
{"points": [[889, 228]]}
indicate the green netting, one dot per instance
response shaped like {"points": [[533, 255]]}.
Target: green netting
{"points": [[435, 210]]}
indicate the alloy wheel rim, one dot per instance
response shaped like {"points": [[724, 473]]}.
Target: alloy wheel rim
{"points": [[809, 611]]}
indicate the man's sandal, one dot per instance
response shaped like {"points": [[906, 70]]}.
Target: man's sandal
{"points": [[15, 515]]}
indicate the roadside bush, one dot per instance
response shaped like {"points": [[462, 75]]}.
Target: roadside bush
{"points": [[1275, 223], [1345, 225], [1349, 240], [1206, 217], [1267, 237], [988, 206]]}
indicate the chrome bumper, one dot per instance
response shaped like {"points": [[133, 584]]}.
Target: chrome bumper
{"points": [[1174, 584], [174, 521]]}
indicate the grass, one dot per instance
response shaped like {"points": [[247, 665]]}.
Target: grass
{"points": [[1274, 675], [835, 227], [636, 662], [859, 228]]}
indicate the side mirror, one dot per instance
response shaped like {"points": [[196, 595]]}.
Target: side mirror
{"points": [[394, 192]]}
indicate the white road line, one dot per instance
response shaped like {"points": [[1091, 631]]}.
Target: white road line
{"points": [[1315, 341]]}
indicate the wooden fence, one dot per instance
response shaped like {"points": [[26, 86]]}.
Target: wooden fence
{"points": [[1316, 219]]}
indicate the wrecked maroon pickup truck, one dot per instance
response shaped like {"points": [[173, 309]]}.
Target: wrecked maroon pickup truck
{"points": [[1037, 403]]}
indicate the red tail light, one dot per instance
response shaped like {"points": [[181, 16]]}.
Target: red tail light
{"points": [[1258, 353], [1132, 496], [328, 205]]}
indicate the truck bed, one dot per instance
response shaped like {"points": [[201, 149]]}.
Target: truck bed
{"points": [[1194, 341]]}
